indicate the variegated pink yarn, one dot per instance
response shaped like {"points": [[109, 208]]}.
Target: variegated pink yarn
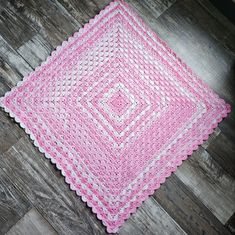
{"points": [[116, 111]]}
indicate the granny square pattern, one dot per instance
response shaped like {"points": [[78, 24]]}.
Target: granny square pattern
{"points": [[116, 110]]}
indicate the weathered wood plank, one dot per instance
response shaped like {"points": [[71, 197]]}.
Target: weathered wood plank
{"points": [[223, 151], [14, 28], [100, 4], [49, 19], [10, 132], [82, 10], [36, 177], [227, 126], [8, 77], [211, 138], [13, 205], [156, 7], [186, 209], [151, 218], [52, 24], [32, 223], [231, 224], [210, 183], [226, 26], [13, 66], [35, 50]]}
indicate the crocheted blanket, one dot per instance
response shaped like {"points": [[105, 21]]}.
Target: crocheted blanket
{"points": [[116, 110]]}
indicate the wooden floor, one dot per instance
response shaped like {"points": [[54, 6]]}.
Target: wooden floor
{"points": [[198, 199]]}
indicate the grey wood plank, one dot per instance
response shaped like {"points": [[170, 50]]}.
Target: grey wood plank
{"points": [[83, 10], [223, 150], [186, 209], [100, 4], [10, 132], [223, 30], [156, 7], [228, 125], [231, 224], [32, 223], [13, 204], [211, 138], [151, 218], [128, 228], [15, 29], [48, 18], [35, 50], [8, 77], [13, 66], [46, 189], [225, 25], [210, 183]]}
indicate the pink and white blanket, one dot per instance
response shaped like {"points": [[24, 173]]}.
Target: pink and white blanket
{"points": [[116, 110]]}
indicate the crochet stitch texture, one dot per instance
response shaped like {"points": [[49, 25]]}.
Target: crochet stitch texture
{"points": [[116, 110]]}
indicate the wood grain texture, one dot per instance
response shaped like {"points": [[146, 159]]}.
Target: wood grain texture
{"points": [[210, 183], [156, 7], [7, 77], [48, 18], [35, 50], [226, 38], [83, 10], [32, 223], [15, 29], [211, 138], [10, 132], [13, 66], [13, 205], [186, 209], [223, 151], [231, 224], [151, 218]]}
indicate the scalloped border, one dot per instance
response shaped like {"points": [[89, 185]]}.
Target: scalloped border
{"points": [[167, 173]]}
